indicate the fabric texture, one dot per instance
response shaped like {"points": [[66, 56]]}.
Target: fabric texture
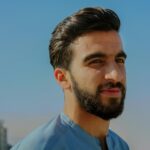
{"points": [[61, 133]]}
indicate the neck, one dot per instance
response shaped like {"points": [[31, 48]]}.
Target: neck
{"points": [[92, 124]]}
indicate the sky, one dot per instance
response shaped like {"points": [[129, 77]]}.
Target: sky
{"points": [[29, 95]]}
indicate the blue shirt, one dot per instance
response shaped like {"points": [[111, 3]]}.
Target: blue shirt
{"points": [[62, 133]]}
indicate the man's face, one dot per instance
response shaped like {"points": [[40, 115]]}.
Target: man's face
{"points": [[97, 73]]}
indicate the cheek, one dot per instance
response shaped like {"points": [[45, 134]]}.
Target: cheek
{"points": [[123, 72], [93, 79], [88, 78]]}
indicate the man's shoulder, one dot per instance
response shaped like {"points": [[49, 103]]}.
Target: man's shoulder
{"points": [[43, 136], [118, 141]]}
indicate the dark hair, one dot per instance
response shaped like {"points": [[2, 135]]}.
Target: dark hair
{"points": [[84, 21]]}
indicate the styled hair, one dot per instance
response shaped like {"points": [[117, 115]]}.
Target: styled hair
{"points": [[84, 21]]}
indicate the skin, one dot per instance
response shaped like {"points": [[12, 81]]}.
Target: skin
{"points": [[97, 60]]}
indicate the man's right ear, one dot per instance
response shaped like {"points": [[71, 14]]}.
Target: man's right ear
{"points": [[61, 77]]}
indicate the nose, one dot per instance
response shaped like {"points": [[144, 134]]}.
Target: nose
{"points": [[113, 73]]}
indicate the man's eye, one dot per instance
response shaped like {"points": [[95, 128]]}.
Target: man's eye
{"points": [[120, 60], [97, 61]]}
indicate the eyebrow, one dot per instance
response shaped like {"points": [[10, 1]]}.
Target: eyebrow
{"points": [[102, 55]]}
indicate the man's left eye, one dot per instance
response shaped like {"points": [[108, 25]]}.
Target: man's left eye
{"points": [[120, 60]]}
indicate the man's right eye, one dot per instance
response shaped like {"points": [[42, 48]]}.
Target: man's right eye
{"points": [[96, 61]]}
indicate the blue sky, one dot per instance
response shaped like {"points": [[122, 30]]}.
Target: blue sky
{"points": [[29, 95]]}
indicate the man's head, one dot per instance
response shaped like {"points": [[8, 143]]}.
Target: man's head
{"points": [[72, 27], [88, 47]]}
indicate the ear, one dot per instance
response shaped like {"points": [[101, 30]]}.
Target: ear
{"points": [[62, 78]]}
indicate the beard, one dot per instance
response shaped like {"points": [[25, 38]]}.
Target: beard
{"points": [[93, 103]]}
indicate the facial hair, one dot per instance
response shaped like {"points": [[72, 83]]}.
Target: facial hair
{"points": [[92, 103]]}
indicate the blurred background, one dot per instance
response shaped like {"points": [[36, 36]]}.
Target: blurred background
{"points": [[29, 95]]}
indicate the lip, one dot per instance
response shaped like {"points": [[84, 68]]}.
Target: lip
{"points": [[111, 92]]}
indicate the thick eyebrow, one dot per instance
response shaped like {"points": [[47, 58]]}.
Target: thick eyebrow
{"points": [[94, 55], [122, 54]]}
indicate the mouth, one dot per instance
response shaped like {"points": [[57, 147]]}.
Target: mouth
{"points": [[111, 92]]}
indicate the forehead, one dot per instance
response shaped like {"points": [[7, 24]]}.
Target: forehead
{"points": [[108, 43]]}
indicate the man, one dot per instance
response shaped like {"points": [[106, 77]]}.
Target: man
{"points": [[87, 55]]}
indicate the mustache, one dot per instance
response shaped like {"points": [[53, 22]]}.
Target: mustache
{"points": [[111, 85]]}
